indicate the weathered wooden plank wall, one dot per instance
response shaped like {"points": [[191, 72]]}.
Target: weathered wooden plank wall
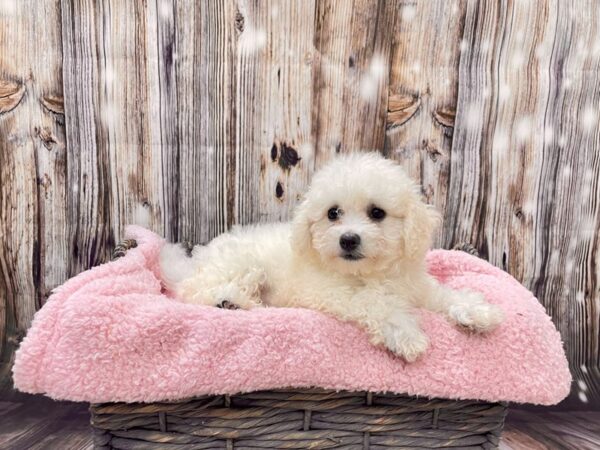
{"points": [[33, 241], [194, 116]]}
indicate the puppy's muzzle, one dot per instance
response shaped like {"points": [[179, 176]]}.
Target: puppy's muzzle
{"points": [[349, 241]]}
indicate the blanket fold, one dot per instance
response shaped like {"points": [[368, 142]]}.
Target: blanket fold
{"points": [[110, 334]]}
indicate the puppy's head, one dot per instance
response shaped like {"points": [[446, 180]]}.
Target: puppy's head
{"points": [[362, 215]]}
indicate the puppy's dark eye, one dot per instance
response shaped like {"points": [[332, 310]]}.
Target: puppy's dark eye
{"points": [[333, 213], [376, 213]]}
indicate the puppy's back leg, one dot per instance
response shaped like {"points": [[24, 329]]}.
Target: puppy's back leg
{"points": [[214, 287], [175, 265]]}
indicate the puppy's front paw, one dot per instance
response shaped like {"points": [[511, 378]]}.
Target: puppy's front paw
{"points": [[410, 344], [474, 313]]}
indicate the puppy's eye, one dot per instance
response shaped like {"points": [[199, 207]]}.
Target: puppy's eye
{"points": [[333, 213], [376, 213]]}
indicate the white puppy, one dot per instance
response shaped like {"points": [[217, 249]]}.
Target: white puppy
{"points": [[355, 249]]}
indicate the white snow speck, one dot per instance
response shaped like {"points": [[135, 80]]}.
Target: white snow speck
{"points": [[582, 385], [368, 88], [586, 191], [109, 73], [464, 46], [582, 397], [378, 66], [369, 85], [520, 36], [503, 92], [566, 172], [473, 116], [566, 83], [274, 11], [517, 59], [569, 266], [541, 51], [587, 228], [416, 67], [554, 256], [252, 40], [8, 7], [408, 12], [485, 45], [108, 114], [500, 142], [582, 50], [562, 140], [165, 9], [529, 207], [596, 48], [523, 129], [589, 118], [583, 368], [580, 297], [75, 187]]}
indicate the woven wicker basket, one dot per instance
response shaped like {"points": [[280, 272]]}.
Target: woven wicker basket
{"points": [[298, 418]]}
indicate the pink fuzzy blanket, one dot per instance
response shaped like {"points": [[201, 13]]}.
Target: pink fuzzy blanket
{"points": [[109, 334]]}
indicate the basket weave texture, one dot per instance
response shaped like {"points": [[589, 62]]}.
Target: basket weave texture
{"points": [[297, 419]]}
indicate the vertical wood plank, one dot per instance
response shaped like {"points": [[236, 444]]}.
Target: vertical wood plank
{"points": [[116, 141], [161, 50], [87, 158], [354, 43], [565, 272], [524, 165], [205, 76], [423, 91], [127, 33], [274, 149], [32, 163]]}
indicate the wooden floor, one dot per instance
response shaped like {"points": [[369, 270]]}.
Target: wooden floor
{"points": [[30, 422]]}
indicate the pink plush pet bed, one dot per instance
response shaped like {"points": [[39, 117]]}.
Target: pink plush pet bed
{"points": [[110, 335]]}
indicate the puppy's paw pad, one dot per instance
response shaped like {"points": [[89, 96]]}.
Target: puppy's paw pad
{"points": [[226, 304], [478, 317]]}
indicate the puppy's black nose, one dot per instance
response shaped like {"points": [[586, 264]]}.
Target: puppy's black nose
{"points": [[349, 241]]}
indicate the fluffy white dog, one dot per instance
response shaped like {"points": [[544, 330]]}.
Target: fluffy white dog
{"points": [[355, 249]]}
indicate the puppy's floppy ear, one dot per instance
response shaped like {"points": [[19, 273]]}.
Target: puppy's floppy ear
{"points": [[301, 239], [420, 223]]}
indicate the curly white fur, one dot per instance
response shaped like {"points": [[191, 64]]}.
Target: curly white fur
{"points": [[302, 264]]}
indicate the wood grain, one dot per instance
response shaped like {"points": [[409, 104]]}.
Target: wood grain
{"points": [[116, 155], [32, 165], [423, 91], [353, 43], [204, 76], [88, 206], [523, 166], [549, 431], [566, 272], [273, 144]]}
